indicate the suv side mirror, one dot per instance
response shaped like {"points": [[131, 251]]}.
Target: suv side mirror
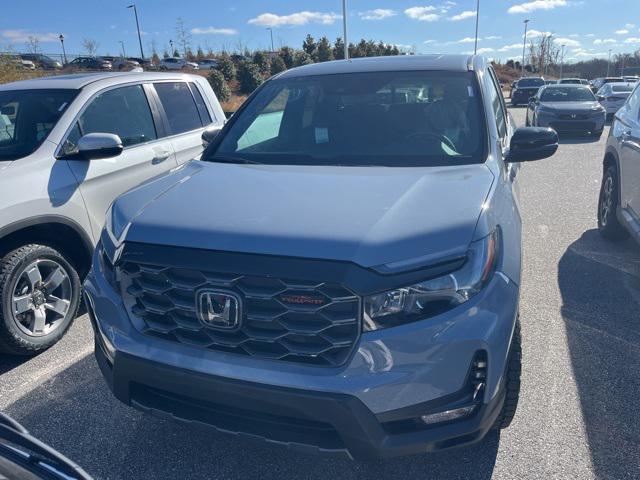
{"points": [[532, 143], [533, 100], [210, 134], [93, 146], [600, 98]]}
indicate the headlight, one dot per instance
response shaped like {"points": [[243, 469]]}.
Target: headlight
{"points": [[432, 297], [545, 110]]}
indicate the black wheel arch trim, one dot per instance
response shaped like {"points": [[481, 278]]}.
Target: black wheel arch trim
{"points": [[48, 220], [611, 151]]}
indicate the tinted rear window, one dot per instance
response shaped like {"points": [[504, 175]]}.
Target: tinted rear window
{"points": [[530, 82], [622, 88], [579, 94], [179, 106]]}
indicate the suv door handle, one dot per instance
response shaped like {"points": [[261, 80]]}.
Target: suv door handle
{"points": [[161, 155]]}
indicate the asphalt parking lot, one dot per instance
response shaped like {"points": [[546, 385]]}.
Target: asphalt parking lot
{"points": [[578, 413]]}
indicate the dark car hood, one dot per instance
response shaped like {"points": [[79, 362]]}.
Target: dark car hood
{"points": [[367, 215]]}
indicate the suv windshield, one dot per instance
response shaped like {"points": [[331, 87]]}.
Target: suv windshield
{"points": [[567, 95], [530, 82], [374, 118], [27, 117]]}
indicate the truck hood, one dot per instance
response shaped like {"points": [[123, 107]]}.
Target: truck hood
{"points": [[371, 216]]}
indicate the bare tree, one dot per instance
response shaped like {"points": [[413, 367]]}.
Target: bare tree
{"points": [[32, 44], [543, 53], [90, 46], [184, 36]]}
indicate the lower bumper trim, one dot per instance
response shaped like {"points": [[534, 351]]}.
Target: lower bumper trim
{"points": [[309, 422]]}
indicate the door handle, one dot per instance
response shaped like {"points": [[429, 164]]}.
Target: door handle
{"points": [[161, 155]]}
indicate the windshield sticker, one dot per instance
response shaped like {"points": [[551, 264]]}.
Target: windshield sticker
{"points": [[322, 135]]}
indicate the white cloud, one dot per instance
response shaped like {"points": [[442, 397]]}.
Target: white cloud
{"points": [[536, 33], [484, 50], [630, 25], [377, 14], [513, 46], [424, 14], [463, 16], [493, 37], [569, 42], [632, 40], [295, 19], [466, 40], [21, 36], [537, 5], [429, 42], [602, 41], [590, 35], [622, 31], [213, 31]]}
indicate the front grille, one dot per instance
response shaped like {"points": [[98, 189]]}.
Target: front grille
{"points": [[322, 329]]}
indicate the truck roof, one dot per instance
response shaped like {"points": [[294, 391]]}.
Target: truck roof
{"points": [[456, 63]]}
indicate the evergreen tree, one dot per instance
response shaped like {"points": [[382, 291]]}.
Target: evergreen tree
{"points": [[249, 76], [219, 85], [323, 52], [226, 66], [309, 45]]}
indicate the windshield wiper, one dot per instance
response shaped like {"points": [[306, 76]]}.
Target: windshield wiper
{"points": [[239, 160]]}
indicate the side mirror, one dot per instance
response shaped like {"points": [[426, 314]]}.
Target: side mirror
{"points": [[532, 143], [210, 134], [93, 146], [532, 99], [600, 98]]}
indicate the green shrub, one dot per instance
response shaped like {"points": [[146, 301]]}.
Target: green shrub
{"points": [[219, 85], [249, 76], [277, 65], [226, 67]]}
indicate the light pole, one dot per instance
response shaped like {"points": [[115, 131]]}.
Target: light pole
{"points": [[524, 44], [124, 55], [172, 50], [562, 61], [475, 48], [271, 31], [344, 28], [609, 62], [135, 11], [64, 53]]}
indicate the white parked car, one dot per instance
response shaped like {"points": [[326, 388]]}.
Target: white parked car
{"points": [[177, 64], [69, 145], [208, 64], [613, 95]]}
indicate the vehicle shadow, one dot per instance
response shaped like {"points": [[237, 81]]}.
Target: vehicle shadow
{"points": [[600, 286], [76, 413]]}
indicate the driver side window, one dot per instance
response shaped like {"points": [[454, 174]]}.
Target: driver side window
{"points": [[495, 97], [122, 111]]}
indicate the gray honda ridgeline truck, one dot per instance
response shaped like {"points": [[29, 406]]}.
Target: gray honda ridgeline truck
{"points": [[339, 274]]}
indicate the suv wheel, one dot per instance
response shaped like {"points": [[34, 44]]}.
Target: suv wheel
{"points": [[608, 223], [39, 295], [511, 381]]}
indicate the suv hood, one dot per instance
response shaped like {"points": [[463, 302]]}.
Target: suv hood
{"points": [[371, 216]]}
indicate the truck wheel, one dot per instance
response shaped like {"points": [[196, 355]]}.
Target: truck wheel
{"points": [[511, 382], [608, 223], [39, 295]]}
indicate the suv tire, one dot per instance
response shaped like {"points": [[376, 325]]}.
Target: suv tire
{"points": [[511, 381], [608, 223], [45, 287]]}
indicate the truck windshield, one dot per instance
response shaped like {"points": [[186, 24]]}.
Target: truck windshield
{"points": [[27, 117], [374, 118]]}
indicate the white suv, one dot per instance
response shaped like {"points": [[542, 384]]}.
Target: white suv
{"points": [[619, 204], [69, 145], [177, 64]]}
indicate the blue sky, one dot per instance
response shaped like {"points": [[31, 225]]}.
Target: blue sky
{"points": [[587, 27]]}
